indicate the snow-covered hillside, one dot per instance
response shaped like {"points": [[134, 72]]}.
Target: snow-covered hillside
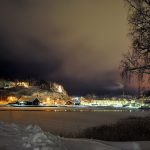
{"points": [[13, 136]]}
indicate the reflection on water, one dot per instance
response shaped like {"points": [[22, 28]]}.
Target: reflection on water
{"points": [[71, 109], [66, 120]]}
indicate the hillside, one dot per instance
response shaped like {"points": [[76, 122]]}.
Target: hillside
{"points": [[45, 91]]}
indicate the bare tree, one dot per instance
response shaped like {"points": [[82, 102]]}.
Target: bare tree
{"points": [[137, 61]]}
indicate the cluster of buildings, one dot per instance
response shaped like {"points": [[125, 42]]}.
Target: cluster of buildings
{"points": [[57, 96], [80, 101], [114, 102]]}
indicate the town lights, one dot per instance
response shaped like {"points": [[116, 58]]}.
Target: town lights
{"points": [[24, 84], [11, 98], [48, 99]]}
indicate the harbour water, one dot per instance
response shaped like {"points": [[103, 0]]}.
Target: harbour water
{"points": [[58, 122]]}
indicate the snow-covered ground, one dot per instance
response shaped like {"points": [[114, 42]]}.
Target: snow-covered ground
{"points": [[85, 144], [18, 137]]}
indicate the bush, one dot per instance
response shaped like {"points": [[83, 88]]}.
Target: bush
{"points": [[130, 129]]}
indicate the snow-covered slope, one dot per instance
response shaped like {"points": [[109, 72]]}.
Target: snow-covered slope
{"points": [[17, 137], [81, 144]]}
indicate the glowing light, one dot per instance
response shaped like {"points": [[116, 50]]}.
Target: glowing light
{"points": [[11, 99], [48, 99], [60, 89], [24, 84]]}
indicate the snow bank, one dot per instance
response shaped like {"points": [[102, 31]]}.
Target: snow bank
{"points": [[81, 144], [89, 144], [17, 137]]}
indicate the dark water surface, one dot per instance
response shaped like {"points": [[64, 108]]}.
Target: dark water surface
{"points": [[66, 122]]}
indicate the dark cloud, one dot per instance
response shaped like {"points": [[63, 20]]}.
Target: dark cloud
{"points": [[77, 43], [31, 58]]}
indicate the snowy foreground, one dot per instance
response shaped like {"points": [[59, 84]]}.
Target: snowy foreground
{"points": [[18, 137]]}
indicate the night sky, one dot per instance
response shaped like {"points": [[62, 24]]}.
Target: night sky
{"points": [[78, 43]]}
